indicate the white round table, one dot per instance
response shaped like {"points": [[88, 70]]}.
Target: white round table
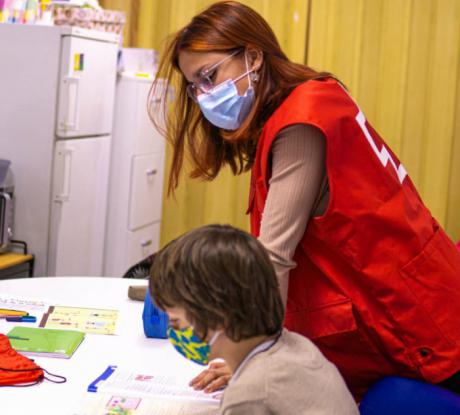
{"points": [[129, 348]]}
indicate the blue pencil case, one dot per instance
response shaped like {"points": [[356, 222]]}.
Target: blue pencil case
{"points": [[155, 320]]}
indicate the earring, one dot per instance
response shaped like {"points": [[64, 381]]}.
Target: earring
{"points": [[254, 76]]}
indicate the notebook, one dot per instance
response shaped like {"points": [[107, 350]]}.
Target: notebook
{"points": [[34, 341]]}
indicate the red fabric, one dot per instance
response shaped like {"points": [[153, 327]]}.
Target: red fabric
{"points": [[10, 359], [377, 282]]}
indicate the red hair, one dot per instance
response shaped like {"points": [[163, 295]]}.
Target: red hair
{"points": [[225, 26]]}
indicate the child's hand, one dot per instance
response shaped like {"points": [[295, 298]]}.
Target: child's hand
{"points": [[212, 379]]}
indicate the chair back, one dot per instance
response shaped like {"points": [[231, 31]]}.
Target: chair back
{"points": [[400, 396]]}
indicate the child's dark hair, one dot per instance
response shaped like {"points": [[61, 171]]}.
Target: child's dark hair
{"points": [[220, 276]]}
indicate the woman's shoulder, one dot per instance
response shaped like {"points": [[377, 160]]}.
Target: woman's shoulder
{"points": [[319, 102], [316, 89]]}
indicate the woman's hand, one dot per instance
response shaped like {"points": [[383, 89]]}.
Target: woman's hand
{"points": [[212, 379]]}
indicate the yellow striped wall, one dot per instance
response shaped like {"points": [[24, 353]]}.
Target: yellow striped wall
{"points": [[401, 61]]}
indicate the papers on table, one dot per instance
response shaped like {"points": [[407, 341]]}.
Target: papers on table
{"points": [[125, 381], [32, 306], [123, 391], [123, 404], [88, 320], [51, 315]]}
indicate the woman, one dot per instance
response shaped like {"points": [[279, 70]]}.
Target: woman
{"points": [[364, 270]]}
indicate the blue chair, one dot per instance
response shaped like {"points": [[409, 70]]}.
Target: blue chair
{"points": [[400, 396]]}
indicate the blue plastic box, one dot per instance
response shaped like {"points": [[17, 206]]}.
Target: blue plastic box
{"points": [[155, 320]]}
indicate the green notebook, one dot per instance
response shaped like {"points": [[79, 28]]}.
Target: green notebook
{"points": [[45, 342]]}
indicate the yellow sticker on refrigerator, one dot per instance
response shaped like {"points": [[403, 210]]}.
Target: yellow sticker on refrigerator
{"points": [[78, 62], [4, 16]]}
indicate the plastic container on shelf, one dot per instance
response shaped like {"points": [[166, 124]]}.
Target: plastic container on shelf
{"points": [[4, 11], [138, 61], [89, 18]]}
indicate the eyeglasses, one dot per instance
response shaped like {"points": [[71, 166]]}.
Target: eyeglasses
{"points": [[205, 79]]}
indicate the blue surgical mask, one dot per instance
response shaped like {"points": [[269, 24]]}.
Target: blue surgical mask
{"points": [[224, 107], [189, 345]]}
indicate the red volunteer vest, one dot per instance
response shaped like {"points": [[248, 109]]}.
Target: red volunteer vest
{"points": [[377, 282]]}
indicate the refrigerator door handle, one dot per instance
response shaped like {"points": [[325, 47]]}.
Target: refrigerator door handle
{"points": [[71, 114], [64, 169]]}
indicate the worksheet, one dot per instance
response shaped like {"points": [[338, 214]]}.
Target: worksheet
{"points": [[88, 320], [123, 380]]}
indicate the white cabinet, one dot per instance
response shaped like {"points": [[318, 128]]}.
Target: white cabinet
{"points": [[146, 187], [136, 179], [142, 243]]}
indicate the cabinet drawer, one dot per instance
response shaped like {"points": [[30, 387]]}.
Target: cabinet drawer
{"points": [[146, 195], [143, 243]]}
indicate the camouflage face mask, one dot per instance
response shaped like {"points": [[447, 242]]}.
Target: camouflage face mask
{"points": [[188, 344]]}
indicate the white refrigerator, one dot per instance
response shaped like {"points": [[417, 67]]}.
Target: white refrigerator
{"points": [[57, 87]]}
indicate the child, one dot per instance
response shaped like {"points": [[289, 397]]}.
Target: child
{"points": [[219, 289]]}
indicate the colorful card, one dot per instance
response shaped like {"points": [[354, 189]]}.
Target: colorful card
{"points": [[88, 320], [122, 405]]}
